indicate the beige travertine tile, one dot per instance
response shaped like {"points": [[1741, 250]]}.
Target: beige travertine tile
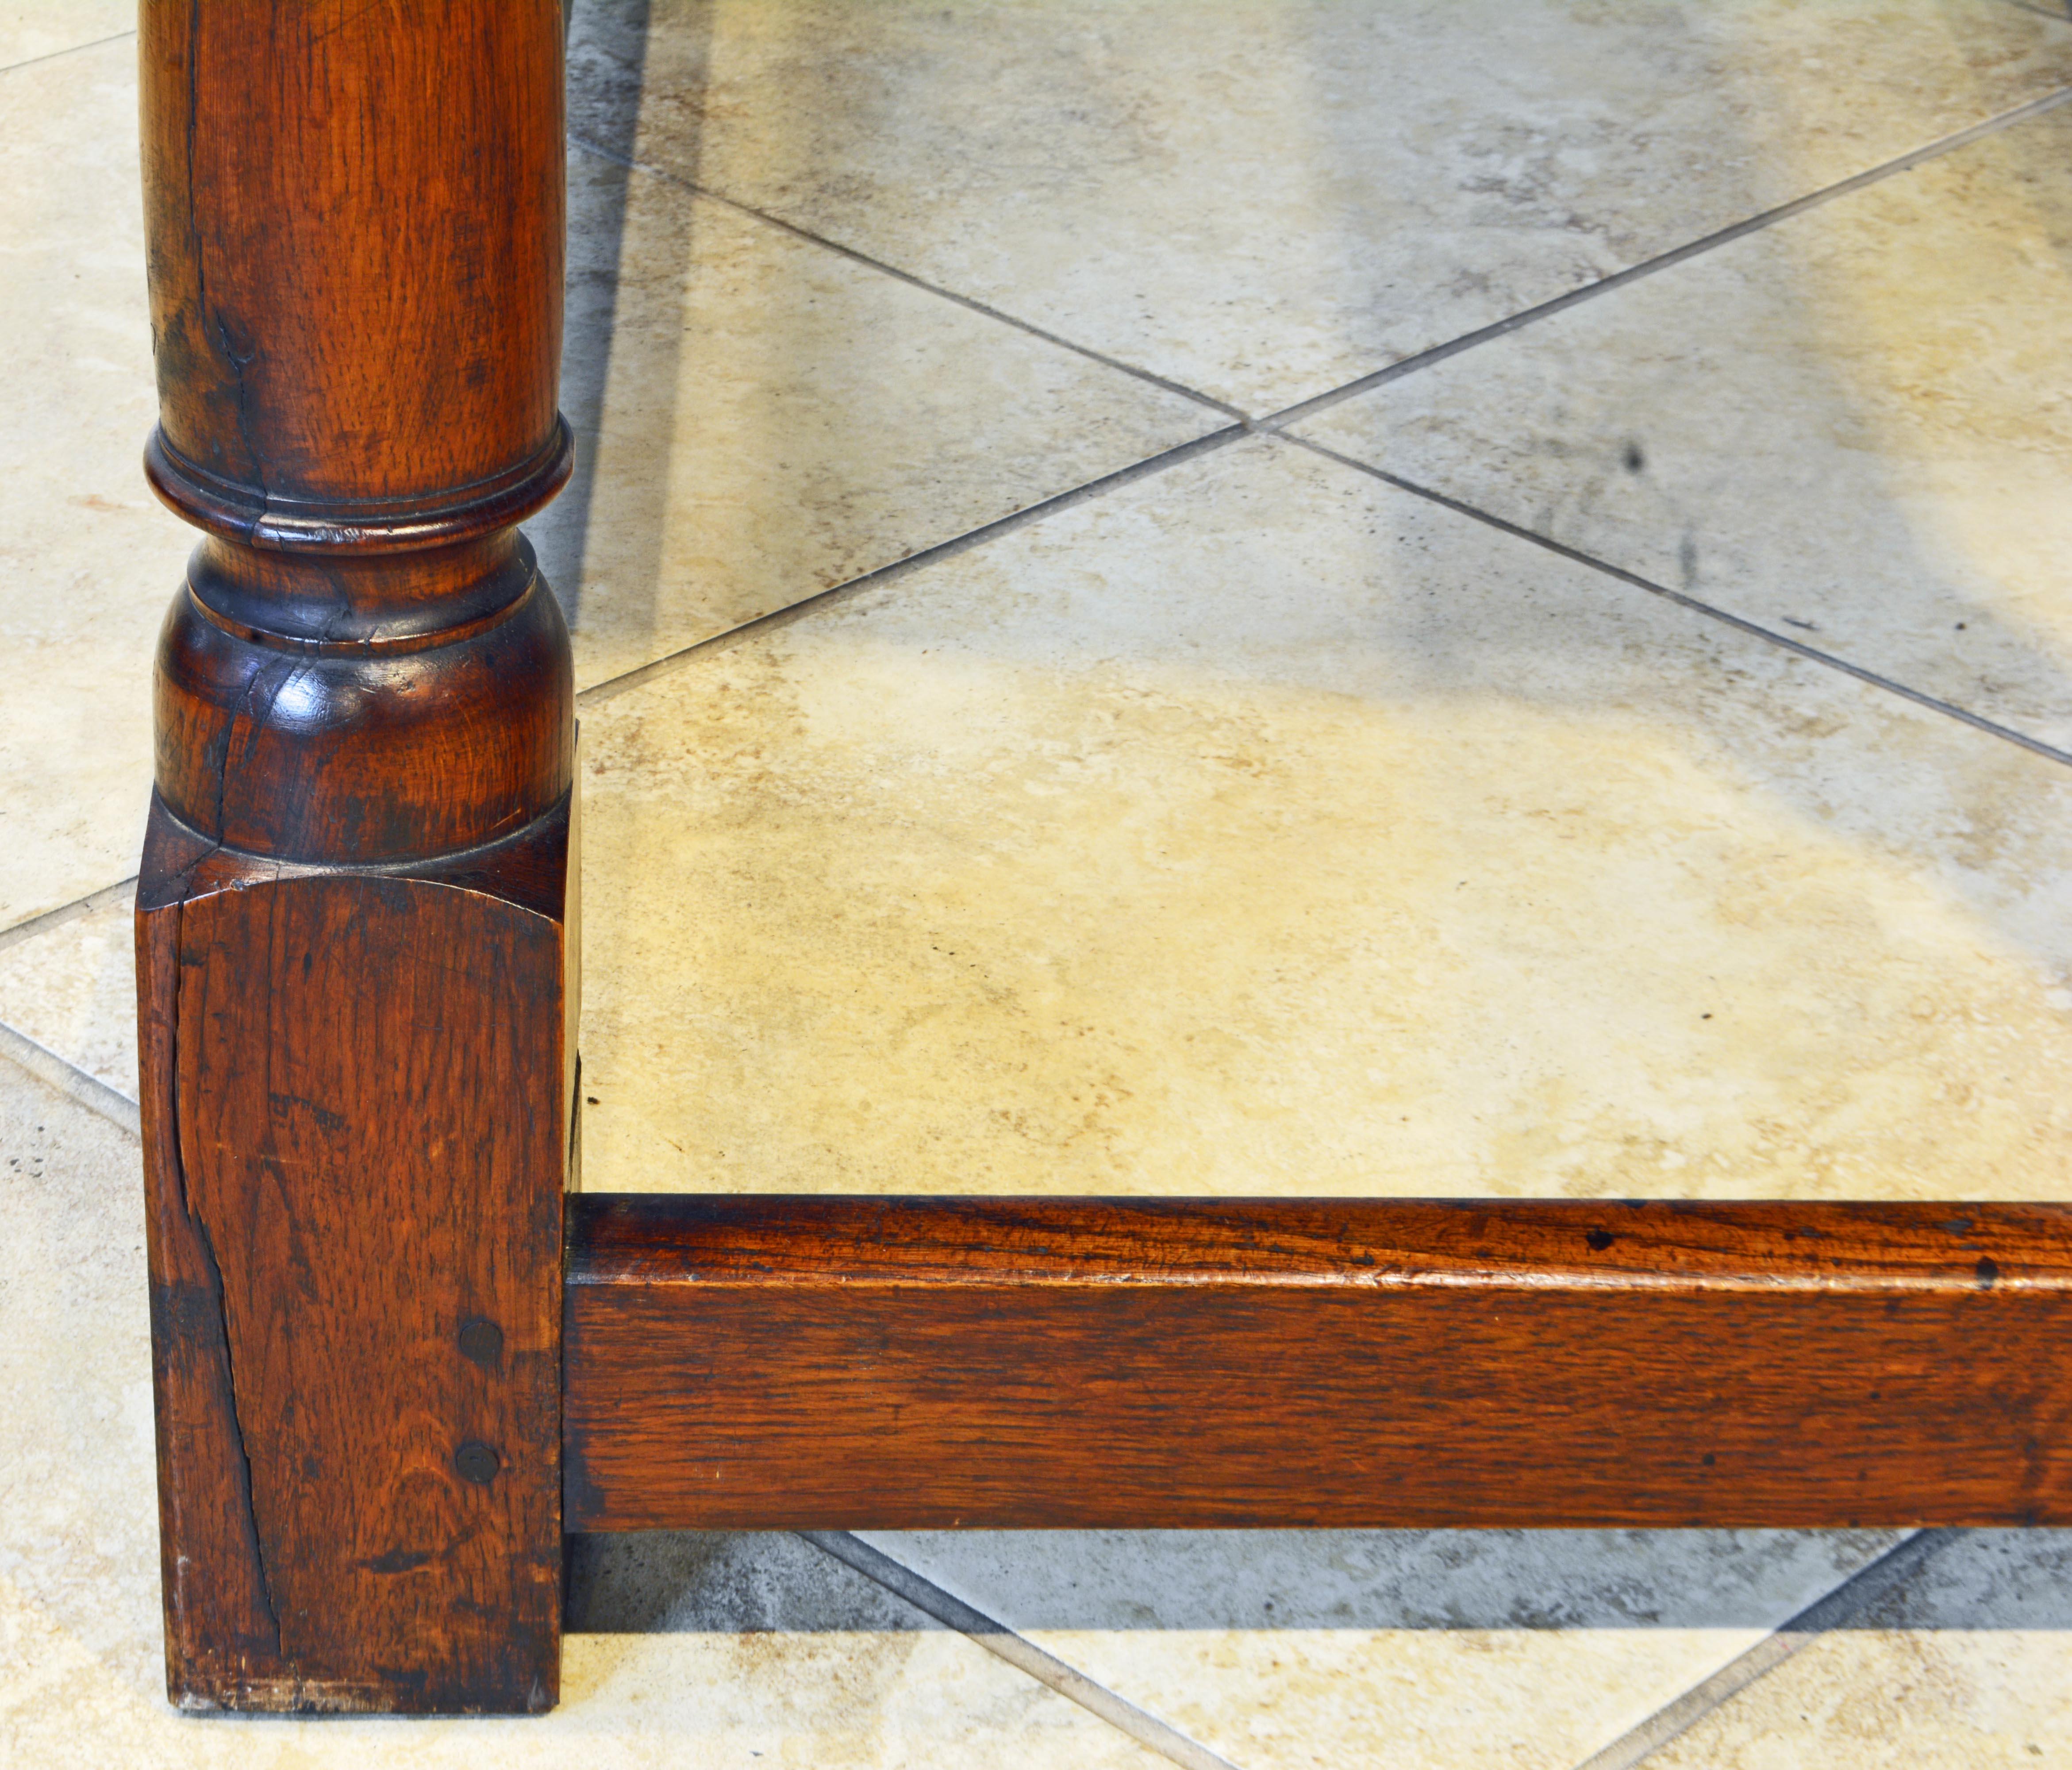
{"points": [[1968, 1666], [1206, 932], [1263, 201], [763, 418], [760, 419], [32, 28], [1847, 426], [89, 559], [1258, 828], [73, 988], [774, 420], [771, 1651], [1413, 1648]]}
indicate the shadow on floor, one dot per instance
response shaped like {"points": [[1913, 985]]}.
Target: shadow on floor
{"points": [[691, 1582]]}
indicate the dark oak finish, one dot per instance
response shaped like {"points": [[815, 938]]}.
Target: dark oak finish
{"points": [[356, 953], [356, 219], [758, 1362], [356, 917], [354, 1151]]}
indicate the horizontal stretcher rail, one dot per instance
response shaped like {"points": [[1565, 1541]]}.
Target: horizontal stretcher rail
{"points": [[745, 1361]]}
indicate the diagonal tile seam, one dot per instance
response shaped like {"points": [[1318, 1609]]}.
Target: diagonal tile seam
{"points": [[72, 49], [1754, 629], [69, 1080], [91, 1091], [47, 919], [39, 1060], [1274, 424], [1418, 360], [1407, 365], [613, 686], [1665, 261], [924, 1595], [1857, 1594], [906, 277]]}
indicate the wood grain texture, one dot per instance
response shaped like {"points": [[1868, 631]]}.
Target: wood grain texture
{"points": [[355, 229], [353, 1174], [760, 1362], [387, 748], [356, 222], [356, 916]]}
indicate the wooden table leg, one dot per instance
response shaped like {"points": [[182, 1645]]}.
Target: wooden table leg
{"points": [[355, 926]]}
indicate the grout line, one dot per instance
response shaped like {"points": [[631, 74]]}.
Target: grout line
{"points": [[998, 1639], [1856, 1594], [74, 50], [1991, 727], [906, 277], [613, 686], [70, 1080], [1619, 279], [38, 1059], [65, 912]]}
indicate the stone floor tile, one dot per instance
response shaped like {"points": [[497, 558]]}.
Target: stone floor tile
{"points": [[1258, 828], [1967, 1666], [759, 418], [1264, 201], [32, 29], [73, 988], [1342, 1648], [870, 908], [695, 1582], [90, 558], [767, 1652], [1843, 427]]}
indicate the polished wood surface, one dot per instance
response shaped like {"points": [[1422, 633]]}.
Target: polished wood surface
{"points": [[378, 1391], [356, 916], [355, 219], [354, 1148], [763, 1362], [354, 222], [395, 744]]}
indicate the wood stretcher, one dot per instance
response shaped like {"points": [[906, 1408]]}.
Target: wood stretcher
{"points": [[397, 1356]]}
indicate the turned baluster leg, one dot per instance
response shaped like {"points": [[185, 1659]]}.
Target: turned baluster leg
{"points": [[355, 930]]}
